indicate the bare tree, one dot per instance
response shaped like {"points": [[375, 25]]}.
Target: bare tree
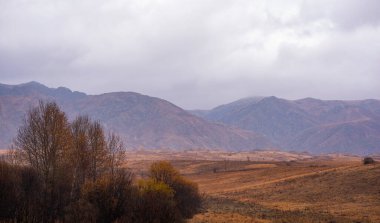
{"points": [[92, 155], [44, 138], [98, 147], [43, 142], [80, 153], [70, 168], [116, 151]]}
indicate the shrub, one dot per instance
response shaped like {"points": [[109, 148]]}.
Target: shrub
{"points": [[163, 171], [111, 197], [186, 194], [80, 211], [368, 160], [156, 203], [8, 191], [20, 198]]}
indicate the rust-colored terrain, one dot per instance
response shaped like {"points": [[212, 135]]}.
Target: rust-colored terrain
{"points": [[276, 186]]}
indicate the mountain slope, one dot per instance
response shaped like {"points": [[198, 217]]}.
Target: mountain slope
{"points": [[278, 119], [361, 137], [142, 121], [308, 124]]}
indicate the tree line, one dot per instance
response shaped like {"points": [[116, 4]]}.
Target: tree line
{"points": [[63, 171]]}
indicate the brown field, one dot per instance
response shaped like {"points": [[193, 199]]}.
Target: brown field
{"points": [[272, 186]]}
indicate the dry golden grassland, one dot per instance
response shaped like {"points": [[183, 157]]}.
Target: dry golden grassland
{"points": [[272, 186]]}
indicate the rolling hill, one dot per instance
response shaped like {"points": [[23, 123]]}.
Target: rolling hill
{"points": [[142, 121]]}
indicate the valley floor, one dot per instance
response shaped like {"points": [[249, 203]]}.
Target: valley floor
{"points": [[296, 189]]}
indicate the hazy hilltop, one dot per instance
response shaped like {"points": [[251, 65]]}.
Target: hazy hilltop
{"points": [[308, 124], [142, 121]]}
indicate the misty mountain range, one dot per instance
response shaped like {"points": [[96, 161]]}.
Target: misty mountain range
{"points": [[146, 122], [308, 124]]}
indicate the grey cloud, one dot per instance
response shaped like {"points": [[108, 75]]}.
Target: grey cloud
{"points": [[196, 54], [347, 14]]}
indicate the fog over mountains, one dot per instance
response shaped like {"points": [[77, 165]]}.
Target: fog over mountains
{"points": [[146, 122]]}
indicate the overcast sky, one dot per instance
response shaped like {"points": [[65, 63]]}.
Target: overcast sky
{"points": [[196, 54]]}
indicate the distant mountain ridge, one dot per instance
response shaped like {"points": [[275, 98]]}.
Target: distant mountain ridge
{"points": [[142, 121], [307, 124], [312, 125], [34, 88]]}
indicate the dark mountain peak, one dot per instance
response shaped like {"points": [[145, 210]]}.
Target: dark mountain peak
{"points": [[64, 93], [64, 89], [272, 98], [241, 103], [132, 96], [29, 88], [274, 101], [136, 102], [250, 100], [122, 94], [39, 90], [309, 102], [31, 84], [309, 99]]}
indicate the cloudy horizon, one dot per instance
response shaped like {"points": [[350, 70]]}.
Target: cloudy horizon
{"points": [[195, 54]]}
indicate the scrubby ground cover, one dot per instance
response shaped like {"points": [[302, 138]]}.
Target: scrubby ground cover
{"points": [[310, 191], [320, 189]]}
